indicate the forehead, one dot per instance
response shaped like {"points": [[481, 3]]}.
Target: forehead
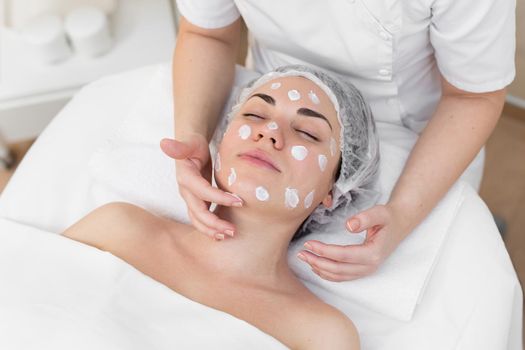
{"points": [[310, 95]]}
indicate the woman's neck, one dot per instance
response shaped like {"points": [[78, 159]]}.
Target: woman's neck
{"points": [[257, 252]]}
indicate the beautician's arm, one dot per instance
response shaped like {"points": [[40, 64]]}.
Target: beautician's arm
{"points": [[203, 73], [460, 126]]}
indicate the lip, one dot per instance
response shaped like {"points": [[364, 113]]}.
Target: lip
{"points": [[259, 157]]}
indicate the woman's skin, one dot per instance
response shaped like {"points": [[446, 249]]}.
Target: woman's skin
{"points": [[457, 131], [246, 275]]}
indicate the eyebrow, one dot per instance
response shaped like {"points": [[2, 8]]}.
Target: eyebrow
{"points": [[302, 111]]}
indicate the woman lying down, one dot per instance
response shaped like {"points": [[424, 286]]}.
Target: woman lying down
{"points": [[297, 143]]}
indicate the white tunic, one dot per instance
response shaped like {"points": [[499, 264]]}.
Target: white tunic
{"points": [[392, 50]]}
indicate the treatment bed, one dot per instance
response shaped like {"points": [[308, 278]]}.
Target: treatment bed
{"points": [[449, 285]]}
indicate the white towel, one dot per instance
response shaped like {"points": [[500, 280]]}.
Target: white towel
{"points": [[131, 167]]}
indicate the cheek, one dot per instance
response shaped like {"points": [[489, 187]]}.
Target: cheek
{"points": [[314, 171]]}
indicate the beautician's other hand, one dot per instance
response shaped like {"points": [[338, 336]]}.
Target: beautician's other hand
{"points": [[194, 178], [385, 230]]}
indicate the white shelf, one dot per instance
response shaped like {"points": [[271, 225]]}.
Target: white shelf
{"points": [[143, 32]]}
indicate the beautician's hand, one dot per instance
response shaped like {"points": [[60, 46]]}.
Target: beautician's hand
{"points": [[194, 178], [385, 230]]}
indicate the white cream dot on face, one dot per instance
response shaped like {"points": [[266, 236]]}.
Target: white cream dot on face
{"points": [[309, 199], [275, 86], [262, 194], [272, 126], [333, 146], [313, 97], [291, 198], [299, 152], [322, 162], [245, 131], [232, 177], [218, 162], [294, 95]]}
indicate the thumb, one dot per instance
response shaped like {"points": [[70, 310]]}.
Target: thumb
{"points": [[175, 149], [377, 215]]}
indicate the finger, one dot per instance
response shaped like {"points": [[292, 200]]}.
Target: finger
{"points": [[335, 267], [363, 254], [200, 227], [377, 215], [206, 218], [333, 278], [202, 189], [175, 149]]}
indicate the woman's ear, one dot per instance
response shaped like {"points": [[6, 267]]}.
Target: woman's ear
{"points": [[328, 200]]}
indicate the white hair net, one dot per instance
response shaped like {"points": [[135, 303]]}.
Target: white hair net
{"points": [[354, 188]]}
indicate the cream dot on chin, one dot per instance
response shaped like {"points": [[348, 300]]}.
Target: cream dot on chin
{"points": [[291, 198], [294, 95], [322, 162], [245, 131], [308, 200], [232, 177], [262, 194], [299, 152]]}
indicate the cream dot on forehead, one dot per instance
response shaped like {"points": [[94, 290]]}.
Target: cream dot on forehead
{"points": [[294, 95], [262, 194], [291, 198], [245, 131], [313, 97], [299, 152], [275, 86]]}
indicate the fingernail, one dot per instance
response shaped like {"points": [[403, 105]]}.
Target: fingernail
{"points": [[238, 202], [229, 232], [308, 246], [354, 226], [219, 236], [302, 257]]}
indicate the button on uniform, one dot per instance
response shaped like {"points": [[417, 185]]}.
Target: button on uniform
{"points": [[384, 72]]}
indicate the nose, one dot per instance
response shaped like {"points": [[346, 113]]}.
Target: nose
{"points": [[267, 134]]}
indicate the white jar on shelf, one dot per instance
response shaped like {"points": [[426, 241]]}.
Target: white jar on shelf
{"points": [[88, 30]]}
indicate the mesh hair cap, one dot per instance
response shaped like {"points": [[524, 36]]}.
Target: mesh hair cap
{"points": [[355, 186]]}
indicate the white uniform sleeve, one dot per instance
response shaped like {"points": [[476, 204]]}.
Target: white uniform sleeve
{"points": [[209, 14], [474, 42]]}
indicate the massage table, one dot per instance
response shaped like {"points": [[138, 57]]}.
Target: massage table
{"points": [[449, 285]]}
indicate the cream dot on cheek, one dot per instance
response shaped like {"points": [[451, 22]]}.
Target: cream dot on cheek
{"points": [[299, 152], [294, 95], [322, 162], [291, 198], [308, 200], [245, 131], [218, 162], [261, 194], [232, 177]]}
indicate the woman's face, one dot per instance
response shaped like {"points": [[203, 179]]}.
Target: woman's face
{"points": [[281, 149]]}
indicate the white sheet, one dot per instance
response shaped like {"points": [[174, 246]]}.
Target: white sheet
{"points": [[453, 312], [61, 294]]}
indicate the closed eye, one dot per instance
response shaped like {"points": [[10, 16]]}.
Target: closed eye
{"points": [[307, 134], [253, 115]]}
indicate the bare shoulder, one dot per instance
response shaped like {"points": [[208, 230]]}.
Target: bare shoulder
{"points": [[116, 224], [328, 328]]}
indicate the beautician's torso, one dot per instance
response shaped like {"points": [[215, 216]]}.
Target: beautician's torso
{"points": [[159, 248]]}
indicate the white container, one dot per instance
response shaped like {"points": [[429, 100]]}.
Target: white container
{"points": [[88, 30], [47, 39]]}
